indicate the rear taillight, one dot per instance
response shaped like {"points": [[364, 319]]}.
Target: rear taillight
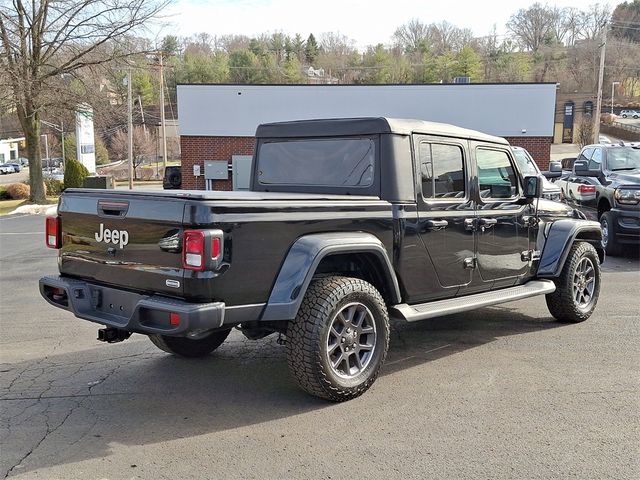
{"points": [[586, 189], [215, 248], [202, 249], [193, 252], [53, 232]]}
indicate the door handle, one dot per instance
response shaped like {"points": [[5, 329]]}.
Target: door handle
{"points": [[487, 222], [436, 224], [469, 224]]}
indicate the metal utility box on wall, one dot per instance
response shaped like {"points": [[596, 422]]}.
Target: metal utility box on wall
{"points": [[216, 170], [241, 166]]}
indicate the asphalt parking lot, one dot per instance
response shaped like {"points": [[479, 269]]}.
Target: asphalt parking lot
{"points": [[502, 392]]}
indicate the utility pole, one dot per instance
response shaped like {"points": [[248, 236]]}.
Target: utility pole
{"points": [[130, 128], [162, 120], [144, 125], [596, 119]]}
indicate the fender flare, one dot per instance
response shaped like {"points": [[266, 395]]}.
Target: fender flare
{"points": [[559, 239], [303, 259]]}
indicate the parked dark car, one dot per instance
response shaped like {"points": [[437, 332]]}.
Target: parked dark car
{"points": [[16, 166], [605, 186], [172, 179], [348, 222]]}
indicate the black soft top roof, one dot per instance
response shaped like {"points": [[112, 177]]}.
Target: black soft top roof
{"points": [[331, 127]]}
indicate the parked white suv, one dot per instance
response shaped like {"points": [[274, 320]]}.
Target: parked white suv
{"points": [[630, 113]]}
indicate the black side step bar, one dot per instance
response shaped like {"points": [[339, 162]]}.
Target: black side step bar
{"points": [[439, 308]]}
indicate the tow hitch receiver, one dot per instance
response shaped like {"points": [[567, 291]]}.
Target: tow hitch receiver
{"points": [[113, 335]]}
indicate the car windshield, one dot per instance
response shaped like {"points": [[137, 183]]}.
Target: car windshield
{"points": [[624, 158], [525, 162]]}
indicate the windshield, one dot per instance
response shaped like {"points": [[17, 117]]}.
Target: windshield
{"points": [[331, 162], [525, 162], [623, 158]]}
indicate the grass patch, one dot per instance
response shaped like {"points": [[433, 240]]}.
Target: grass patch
{"points": [[8, 206]]}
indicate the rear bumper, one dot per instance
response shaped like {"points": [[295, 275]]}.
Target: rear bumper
{"points": [[139, 313]]}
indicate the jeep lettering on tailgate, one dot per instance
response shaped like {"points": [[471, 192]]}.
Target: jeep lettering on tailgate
{"points": [[117, 237]]}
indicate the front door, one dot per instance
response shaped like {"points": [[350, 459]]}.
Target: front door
{"points": [[502, 219], [445, 210]]}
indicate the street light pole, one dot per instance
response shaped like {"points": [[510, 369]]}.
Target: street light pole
{"points": [[62, 136], [596, 119], [162, 119], [130, 129], [613, 84]]}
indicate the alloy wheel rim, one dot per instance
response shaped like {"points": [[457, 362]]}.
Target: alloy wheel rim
{"points": [[351, 340], [605, 232], [584, 283]]}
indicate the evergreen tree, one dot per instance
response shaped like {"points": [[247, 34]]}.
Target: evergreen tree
{"points": [[311, 49]]}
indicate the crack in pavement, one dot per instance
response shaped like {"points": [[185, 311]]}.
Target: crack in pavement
{"points": [[81, 399]]}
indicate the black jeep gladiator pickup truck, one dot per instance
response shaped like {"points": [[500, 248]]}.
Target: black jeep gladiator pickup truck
{"points": [[348, 222]]}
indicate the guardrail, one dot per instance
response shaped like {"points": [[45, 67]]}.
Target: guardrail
{"points": [[626, 126]]}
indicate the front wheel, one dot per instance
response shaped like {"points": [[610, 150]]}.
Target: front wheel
{"points": [[578, 286], [609, 240], [190, 348], [338, 342]]}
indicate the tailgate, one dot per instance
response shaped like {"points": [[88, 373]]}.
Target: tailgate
{"points": [[132, 241]]}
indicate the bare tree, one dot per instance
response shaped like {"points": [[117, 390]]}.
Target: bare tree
{"points": [[413, 36], [45, 42], [593, 20], [143, 147], [532, 26]]}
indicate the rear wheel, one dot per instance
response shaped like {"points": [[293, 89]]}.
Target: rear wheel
{"points": [[578, 287], [339, 340], [609, 240], [190, 348]]}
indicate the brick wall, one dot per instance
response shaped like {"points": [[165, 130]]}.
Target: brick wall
{"points": [[195, 150], [538, 147]]}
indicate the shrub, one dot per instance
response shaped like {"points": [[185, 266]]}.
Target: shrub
{"points": [[4, 195], [74, 174], [18, 191], [53, 186]]}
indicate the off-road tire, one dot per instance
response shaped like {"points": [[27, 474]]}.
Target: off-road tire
{"points": [[610, 244], [307, 337], [190, 348], [561, 303]]}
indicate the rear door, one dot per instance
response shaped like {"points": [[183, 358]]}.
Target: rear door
{"points": [[445, 211], [502, 220], [132, 241]]}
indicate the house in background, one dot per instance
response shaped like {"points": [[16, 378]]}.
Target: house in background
{"points": [[9, 149], [572, 111]]}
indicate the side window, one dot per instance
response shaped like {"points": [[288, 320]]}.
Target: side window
{"points": [[585, 154], [596, 160], [496, 175], [442, 168]]}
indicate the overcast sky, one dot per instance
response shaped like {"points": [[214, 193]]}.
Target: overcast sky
{"points": [[368, 22]]}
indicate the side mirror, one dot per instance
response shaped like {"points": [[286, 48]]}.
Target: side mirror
{"points": [[581, 167], [555, 167], [532, 187]]}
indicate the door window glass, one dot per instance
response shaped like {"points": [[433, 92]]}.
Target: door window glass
{"points": [[442, 168], [496, 175], [585, 154], [596, 159]]}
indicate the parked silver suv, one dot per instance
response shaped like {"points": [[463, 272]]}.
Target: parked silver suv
{"points": [[630, 113]]}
